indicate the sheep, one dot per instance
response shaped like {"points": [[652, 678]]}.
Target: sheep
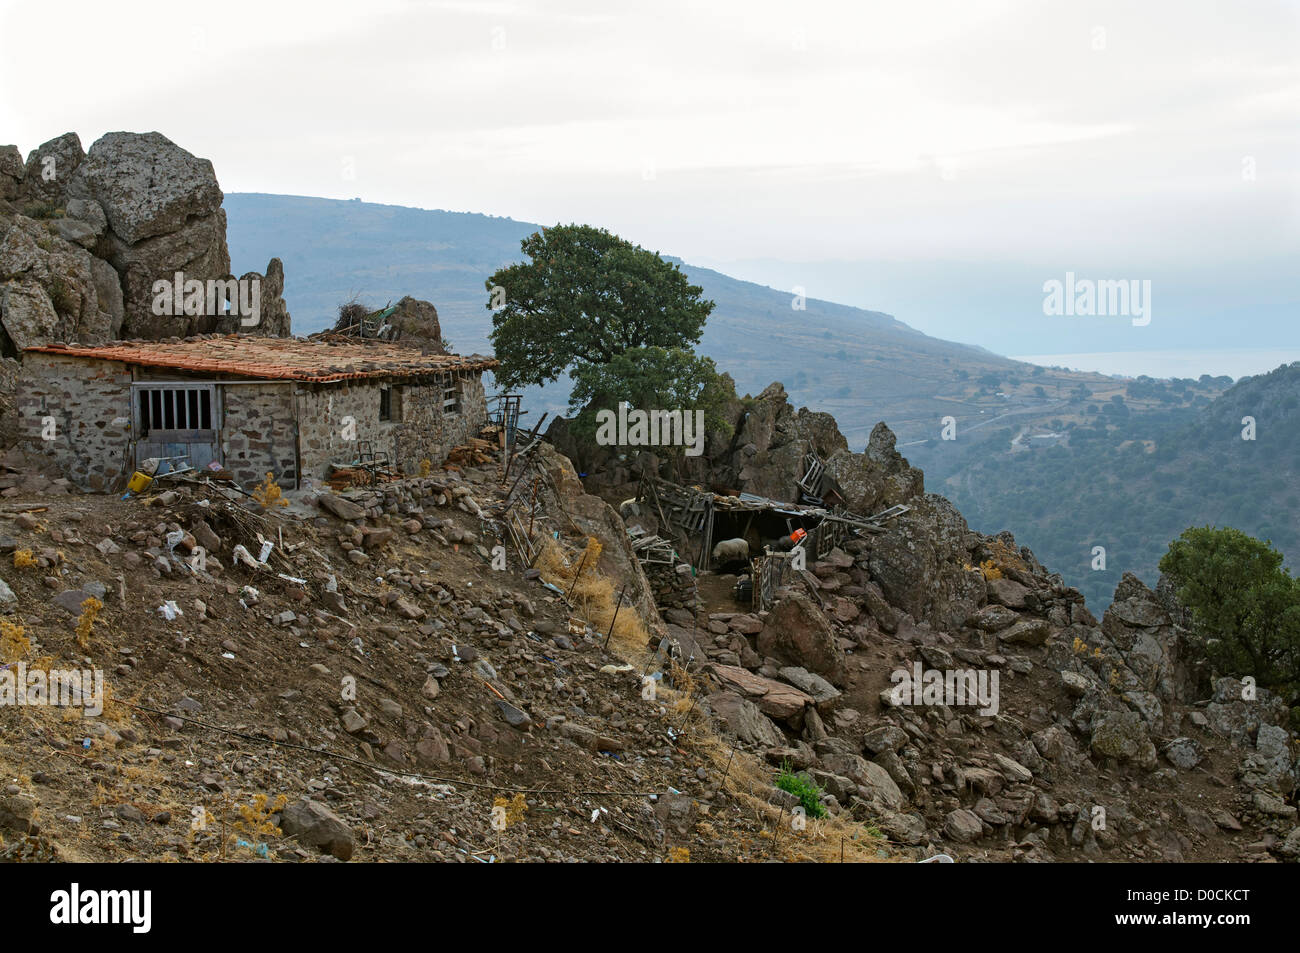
{"points": [[730, 550]]}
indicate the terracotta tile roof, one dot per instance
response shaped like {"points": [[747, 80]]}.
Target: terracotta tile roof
{"points": [[279, 358]]}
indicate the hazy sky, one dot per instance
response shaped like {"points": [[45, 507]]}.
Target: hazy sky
{"points": [[1129, 136]]}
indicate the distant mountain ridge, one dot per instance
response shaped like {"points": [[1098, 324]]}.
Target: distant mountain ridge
{"points": [[862, 366]]}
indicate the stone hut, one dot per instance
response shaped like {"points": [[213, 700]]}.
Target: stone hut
{"points": [[250, 405]]}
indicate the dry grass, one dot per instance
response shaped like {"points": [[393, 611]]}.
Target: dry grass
{"points": [[830, 840], [594, 596]]}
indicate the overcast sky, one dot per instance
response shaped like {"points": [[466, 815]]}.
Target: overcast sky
{"points": [[1141, 134]]}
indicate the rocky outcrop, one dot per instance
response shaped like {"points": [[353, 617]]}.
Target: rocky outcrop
{"points": [[594, 517], [107, 225], [921, 563], [768, 442], [12, 173], [163, 210], [51, 167], [879, 477], [53, 290], [416, 322]]}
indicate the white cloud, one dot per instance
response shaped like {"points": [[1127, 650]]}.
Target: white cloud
{"points": [[842, 130]]}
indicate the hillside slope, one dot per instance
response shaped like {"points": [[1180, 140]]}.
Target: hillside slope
{"points": [[1132, 481], [377, 690]]}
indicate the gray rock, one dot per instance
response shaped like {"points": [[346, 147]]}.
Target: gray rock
{"points": [[743, 719], [1027, 631], [821, 690], [147, 185], [1183, 753], [516, 717], [1270, 766], [1266, 803], [1076, 685], [1007, 592], [1123, 736], [799, 633], [12, 172], [884, 738], [314, 825], [963, 826], [340, 507], [904, 828], [51, 168], [70, 600]]}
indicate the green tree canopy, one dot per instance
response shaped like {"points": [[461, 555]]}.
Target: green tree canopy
{"points": [[651, 378], [587, 297], [1244, 603]]}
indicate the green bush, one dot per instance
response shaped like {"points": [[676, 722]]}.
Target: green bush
{"points": [[1245, 605], [804, 788]]}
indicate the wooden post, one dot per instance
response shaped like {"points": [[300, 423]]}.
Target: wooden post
{"points": [[579, 573], [617, 606], [532, 505]]}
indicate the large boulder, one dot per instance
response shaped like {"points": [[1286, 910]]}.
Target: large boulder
{"points": [[416, 322], [743, 719], [920, 564], [1153, 647], [798, 632], [775, 699], [148, 186], [162, 206], [1123, 736]]}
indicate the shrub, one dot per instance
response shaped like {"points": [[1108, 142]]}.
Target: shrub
{"points": [[43, 210], [269, 494], [1245, 605], [804, 788], [90, 609], [14, 644]]}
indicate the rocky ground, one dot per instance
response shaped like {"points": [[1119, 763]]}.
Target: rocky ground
{"points": [[371, 688], [376, 704], [1111, 740]]}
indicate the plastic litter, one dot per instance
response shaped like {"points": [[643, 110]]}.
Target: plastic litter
{"points": [[261, 850], [938, 859], [170, 610], [245, 557]]}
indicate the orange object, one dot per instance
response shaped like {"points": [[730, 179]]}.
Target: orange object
{"points": [[799, 535]]}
